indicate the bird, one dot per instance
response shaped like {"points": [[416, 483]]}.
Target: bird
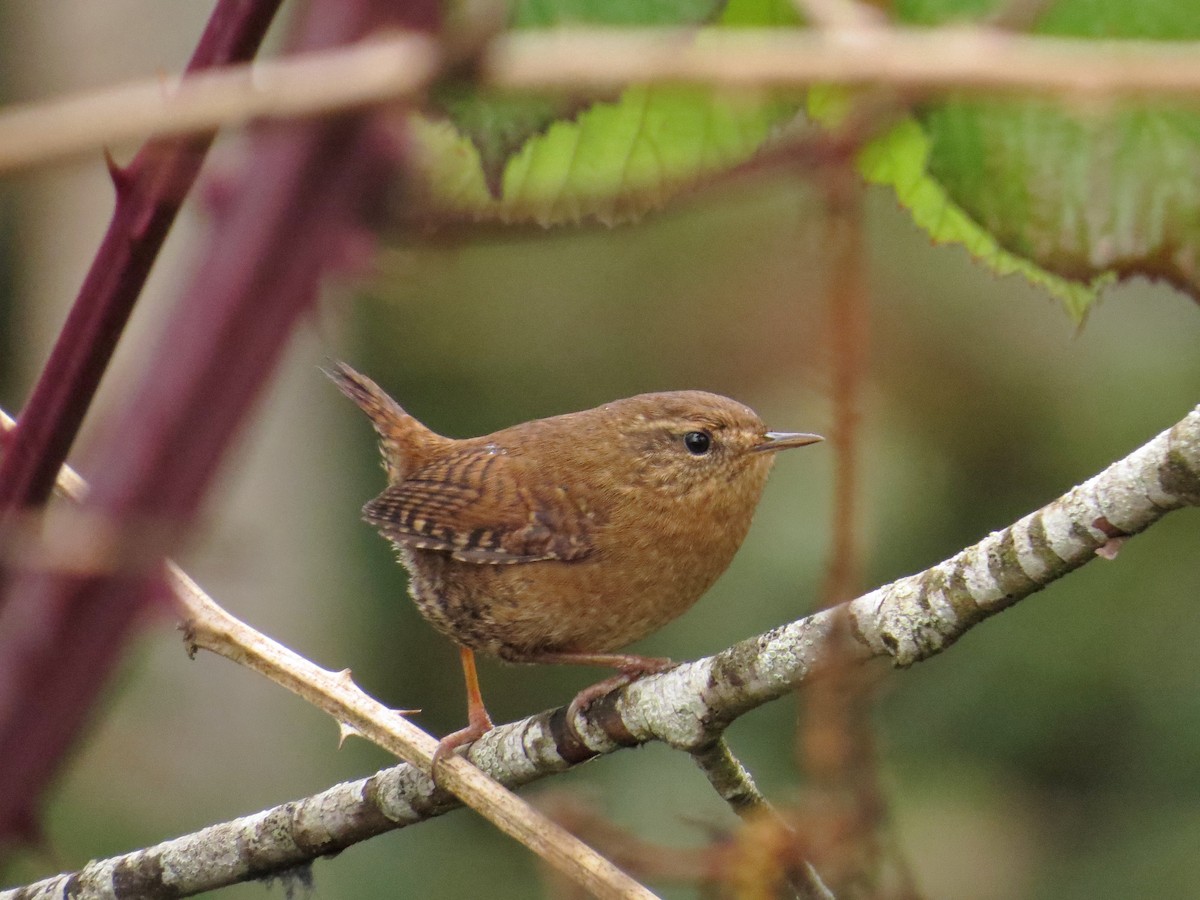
{"points": [[562, 540]]}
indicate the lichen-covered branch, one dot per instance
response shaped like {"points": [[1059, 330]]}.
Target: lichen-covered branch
{"points": [[730, 779], [689, 707]]}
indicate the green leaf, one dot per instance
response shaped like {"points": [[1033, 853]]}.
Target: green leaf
{"points": [[1162, 20], [1072, 197], [900, 159], [524, 159], [1109, 194], [497, 124], [614, 162]]}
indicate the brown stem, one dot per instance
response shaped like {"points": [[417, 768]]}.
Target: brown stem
{"points": [[849, 313]]}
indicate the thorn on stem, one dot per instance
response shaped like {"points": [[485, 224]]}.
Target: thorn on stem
{"points": [[121, 176], [190, 645]]}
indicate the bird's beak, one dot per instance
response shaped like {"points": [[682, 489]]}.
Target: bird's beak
{"points": [[785, 440]]}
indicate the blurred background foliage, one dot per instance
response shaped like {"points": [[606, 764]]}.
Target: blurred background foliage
{"points": [[1051, 753]]}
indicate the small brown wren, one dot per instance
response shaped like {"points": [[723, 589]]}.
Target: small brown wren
{"points": [[561, 540]]}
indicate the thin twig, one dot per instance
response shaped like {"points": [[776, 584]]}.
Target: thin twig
{"points": [[399, 66], [307, 84], [955, 58], [734, 783], [840, 14], [848, 305], [730, 779]]}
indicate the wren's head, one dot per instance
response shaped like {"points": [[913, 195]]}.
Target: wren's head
{"points": [[697, 444]]}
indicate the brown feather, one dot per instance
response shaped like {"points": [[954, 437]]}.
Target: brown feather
{"points": [[403, 441], [477, 506]]}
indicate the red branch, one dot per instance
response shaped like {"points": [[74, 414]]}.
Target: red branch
{"points": [[150, 191], [303, 188]]}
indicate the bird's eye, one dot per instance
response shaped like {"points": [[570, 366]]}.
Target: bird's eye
{"points": [[697, 442]]}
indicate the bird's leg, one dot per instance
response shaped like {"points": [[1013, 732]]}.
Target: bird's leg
{"points": [[630, 667], [478, 720]]}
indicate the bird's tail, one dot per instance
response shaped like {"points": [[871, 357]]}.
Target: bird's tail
{"points": [[403, 441]]}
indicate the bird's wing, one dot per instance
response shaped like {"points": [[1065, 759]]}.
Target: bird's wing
{"points": [[482, 507]]}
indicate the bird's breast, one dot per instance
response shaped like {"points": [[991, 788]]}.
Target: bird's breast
{"points": [[650, 560]]}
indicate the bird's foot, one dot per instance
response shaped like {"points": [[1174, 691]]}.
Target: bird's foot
{"points": [[479, 725], [631, 669]]}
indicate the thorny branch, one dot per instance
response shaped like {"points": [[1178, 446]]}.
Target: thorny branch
{"points": [[211, 628], [689, 707]]}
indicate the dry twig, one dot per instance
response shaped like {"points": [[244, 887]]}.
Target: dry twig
{"points": [[400, 66]]}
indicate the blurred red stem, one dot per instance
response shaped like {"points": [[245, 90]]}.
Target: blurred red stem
{"points": [[149, 191], [301, 191], [66, 634]]}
